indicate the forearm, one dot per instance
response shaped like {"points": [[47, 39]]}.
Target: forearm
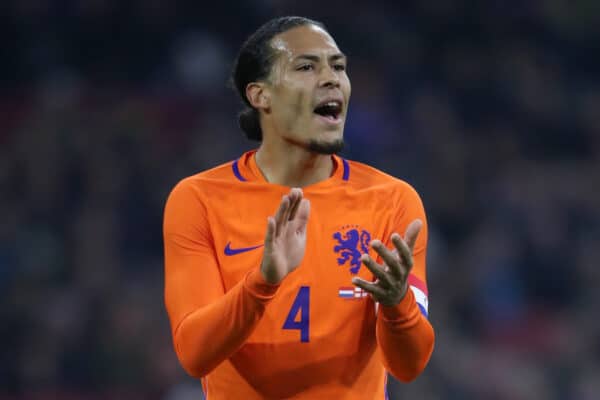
{"points": [[211, 334], [405, 337]]}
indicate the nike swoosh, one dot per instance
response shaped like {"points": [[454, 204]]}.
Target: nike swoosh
{"points": [[232, 252]]}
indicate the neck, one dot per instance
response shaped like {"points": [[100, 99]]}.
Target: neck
{"points": [[288, 164]]}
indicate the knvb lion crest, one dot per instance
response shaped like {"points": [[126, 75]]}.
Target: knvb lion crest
{"points": [[351, 243]]}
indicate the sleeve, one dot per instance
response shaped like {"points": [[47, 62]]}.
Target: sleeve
{"points": [[404, 333], [207, 324]]}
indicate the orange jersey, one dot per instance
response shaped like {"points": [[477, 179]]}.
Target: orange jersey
{"points": [[314, 336]]}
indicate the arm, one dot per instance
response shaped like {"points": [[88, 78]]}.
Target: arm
{"points": [[404, 334], [207, 324]]}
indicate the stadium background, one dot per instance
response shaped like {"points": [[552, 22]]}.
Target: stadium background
{"points": [[490, 109]]}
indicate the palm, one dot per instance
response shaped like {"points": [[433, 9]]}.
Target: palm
{"points": [[285, 242], [392, 275], [289, 245]]}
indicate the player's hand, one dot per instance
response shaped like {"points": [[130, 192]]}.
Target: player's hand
{"points": [[392, 278], [285, 241]]}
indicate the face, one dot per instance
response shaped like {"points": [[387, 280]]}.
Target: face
{"points": [[308, 90]]}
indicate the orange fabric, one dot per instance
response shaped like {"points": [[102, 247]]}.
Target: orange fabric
{"points": [[305, 338]]}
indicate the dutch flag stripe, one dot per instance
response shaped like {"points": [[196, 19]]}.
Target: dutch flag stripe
{"points": [[421, 300], [346, 291], [420, 291], [413, 280], [351, 292]]}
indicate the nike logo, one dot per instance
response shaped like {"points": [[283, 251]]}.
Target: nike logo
{"points": [[232, 252]]}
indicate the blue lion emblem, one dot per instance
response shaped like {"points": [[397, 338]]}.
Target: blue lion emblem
{"points": [[347, 247]]}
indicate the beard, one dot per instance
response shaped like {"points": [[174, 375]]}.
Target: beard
{"points": [[328, 148]]}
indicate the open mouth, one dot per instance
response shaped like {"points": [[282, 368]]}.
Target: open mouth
{"points": [[330, 110]]}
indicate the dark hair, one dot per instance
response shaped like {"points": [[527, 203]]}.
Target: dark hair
{"points": [[253, 63]]}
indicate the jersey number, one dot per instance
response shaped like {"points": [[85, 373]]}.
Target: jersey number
{"points": [[301, 305]]}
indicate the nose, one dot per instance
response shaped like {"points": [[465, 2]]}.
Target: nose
{"points": [[329, 78]]}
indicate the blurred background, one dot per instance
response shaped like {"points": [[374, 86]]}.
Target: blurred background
{"points": [[490, 109]]}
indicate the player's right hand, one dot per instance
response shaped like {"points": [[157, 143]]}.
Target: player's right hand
{"points": [[285, 240]]}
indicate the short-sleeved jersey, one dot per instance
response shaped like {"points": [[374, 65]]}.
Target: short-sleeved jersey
{"points": [[314, 335]]}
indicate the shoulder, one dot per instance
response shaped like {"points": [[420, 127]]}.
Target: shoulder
{"points": [[222, 173], [195, 188], [364, 176]]}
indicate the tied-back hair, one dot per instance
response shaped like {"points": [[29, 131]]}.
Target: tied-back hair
{"points": [[254, 62]]}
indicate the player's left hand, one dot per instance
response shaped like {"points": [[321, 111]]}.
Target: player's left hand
{"points": [[392, 278]]}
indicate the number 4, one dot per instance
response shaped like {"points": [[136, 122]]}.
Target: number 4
{"points": [[301, 305]]}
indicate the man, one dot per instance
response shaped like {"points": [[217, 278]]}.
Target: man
{"points": [[305, 303]]}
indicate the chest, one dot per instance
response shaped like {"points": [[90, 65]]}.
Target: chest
{"points": [[338, 232], [317, 303]]}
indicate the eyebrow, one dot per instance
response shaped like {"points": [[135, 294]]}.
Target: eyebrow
{"points": [[315, 58]]}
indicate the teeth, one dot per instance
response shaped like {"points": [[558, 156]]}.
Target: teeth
{"points": [[333, 104]]}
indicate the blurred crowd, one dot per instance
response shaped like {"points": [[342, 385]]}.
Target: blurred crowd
{"points": [[490, 110]]}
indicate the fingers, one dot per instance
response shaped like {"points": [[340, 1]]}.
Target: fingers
{"points": [[403, 251], [286, 213], [377, 270], [297, 199], [406, 246], [391, 278], [373, 288], [412, 231], [288, 209], [302, 214], [292, 197], [280, 215], [271, 226], [390, 258]]}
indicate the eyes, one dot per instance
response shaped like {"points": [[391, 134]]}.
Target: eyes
{"points": [[310, 67]]}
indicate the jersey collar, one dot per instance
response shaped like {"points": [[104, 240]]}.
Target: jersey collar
{"points": [[245, 169]]}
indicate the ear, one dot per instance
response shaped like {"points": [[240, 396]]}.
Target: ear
{"points": [[258, 95]]}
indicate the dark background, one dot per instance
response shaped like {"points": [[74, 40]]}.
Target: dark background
{"points": [[491, 109]]}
